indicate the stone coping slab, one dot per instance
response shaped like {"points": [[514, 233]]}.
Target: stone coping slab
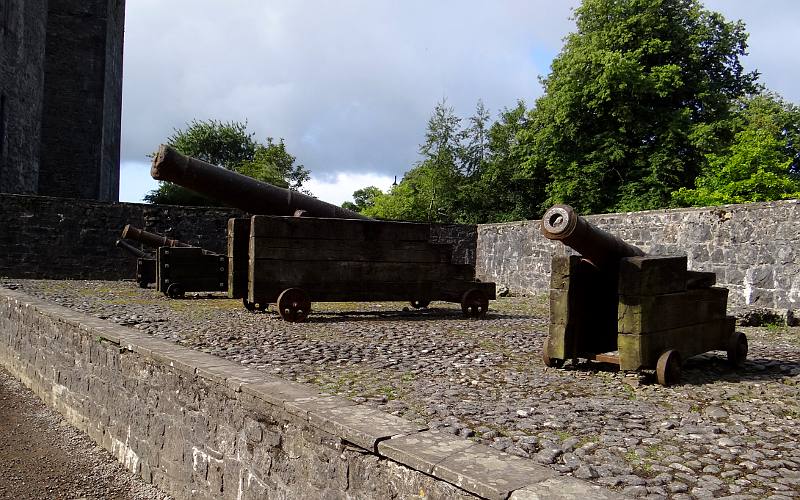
{"points": [[477, 469]]}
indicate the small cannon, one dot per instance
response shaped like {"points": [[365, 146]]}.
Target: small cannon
{"points": [[616, 304], [152, 240], [145, 264], [178, 267], [295, 248]]}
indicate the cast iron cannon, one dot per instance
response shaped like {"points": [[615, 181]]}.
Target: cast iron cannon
{"points": [[145, 264], [561, 223], [328, 254], [616, 304], [239, 191], [130, 249], [179, 267], [150, 239]]}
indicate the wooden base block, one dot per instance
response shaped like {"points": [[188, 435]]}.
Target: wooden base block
{"points": [[642, 351]]}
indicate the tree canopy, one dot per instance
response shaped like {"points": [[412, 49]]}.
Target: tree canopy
{"points": [[761, 164], [638, 96], [646, 106], [229, 145]]}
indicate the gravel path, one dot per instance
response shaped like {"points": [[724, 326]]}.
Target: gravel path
{"points": [[723, 433], [41, 456]]}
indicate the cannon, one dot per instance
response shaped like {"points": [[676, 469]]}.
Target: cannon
{"points": [[296, 249], [145, 264], [614, 303], [152, 240], [179, 267], [239, 191]]}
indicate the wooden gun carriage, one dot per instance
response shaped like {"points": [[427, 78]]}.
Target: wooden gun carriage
{"points": [[179, 267], [293, 261], [615, 304], [298, 249]]}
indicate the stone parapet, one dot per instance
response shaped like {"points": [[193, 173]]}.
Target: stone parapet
{"points": [[200, 426]]}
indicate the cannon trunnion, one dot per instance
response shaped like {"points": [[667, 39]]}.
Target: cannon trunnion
{"points": [[613, 303]]}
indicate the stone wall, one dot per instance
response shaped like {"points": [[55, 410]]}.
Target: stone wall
{"points": [[754, 249], [203, 427], [22, 52], [42, 237]]}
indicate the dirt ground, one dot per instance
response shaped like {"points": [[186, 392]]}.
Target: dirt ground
{"points": [[42, 457]]}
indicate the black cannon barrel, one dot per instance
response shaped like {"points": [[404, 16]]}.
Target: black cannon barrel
{"points": [[561, 223], [130, 249], [150, 239], [237, 190]]}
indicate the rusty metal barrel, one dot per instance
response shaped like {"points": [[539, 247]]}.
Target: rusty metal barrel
{"points": [[130, 249], [602, 249], [237, 190], [150, 239]]}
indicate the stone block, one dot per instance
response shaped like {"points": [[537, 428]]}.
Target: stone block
{"points": [[304, 407], [564, 488], [360, 425], [423, 450], [489, 473]]}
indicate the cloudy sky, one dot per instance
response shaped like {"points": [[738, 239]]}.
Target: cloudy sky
{"points": [[350, 84]]}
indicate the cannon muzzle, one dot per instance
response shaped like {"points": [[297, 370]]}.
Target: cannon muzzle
{"points": [[150, 239], [130, 249], [237, 190], [602, 249]]}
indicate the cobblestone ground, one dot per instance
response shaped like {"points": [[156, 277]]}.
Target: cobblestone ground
{"points": [[722, 433]]}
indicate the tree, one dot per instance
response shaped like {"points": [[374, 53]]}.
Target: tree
{"points": [[636, 99], [429, 191], [762, 163], [502, 190], [362, 199], [475, 140], [229, 145]]}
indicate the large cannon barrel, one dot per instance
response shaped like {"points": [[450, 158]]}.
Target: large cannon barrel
{"points": [[561, 223], [150, 239], [237, 190], [130, 249]]}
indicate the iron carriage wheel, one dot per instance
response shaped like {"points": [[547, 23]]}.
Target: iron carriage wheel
{"points": [[668, 368], [474, 303], [254, 306], [294, 305], [175, 291]]}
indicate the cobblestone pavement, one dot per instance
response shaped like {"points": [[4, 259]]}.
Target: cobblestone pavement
{"points": [[722, 433]]}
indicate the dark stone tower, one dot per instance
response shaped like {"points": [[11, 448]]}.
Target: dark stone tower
{"points": [[22, 46], [80, 138]]}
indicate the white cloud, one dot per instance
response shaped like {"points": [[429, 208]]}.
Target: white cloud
{"points": [[339, 188]]}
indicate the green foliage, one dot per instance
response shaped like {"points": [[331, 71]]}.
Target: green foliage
{"points": [[760, 165], [429, 191], [507, 188], [635, 100], [231, 146], [362, 199]]}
